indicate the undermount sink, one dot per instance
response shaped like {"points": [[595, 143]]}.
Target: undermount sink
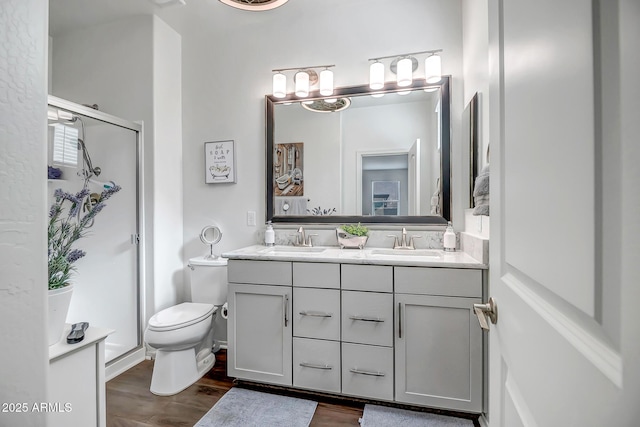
{"points": [[407, 252], [293, 249]]}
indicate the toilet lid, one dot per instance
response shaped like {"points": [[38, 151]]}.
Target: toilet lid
{"points": [[180, 316]]}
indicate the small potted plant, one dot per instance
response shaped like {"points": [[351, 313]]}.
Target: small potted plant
{"points": [[67, 224], [352, 236]]}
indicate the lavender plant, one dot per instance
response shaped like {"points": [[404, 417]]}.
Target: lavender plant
{"points": [[65, 228]]}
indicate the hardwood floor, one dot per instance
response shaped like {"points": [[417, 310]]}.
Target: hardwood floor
{"points": [[131, 404]]}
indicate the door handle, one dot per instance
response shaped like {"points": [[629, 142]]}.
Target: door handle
{"points": [[483, 311]]}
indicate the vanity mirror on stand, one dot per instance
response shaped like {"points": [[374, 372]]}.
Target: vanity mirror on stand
{"points": [[361, 155]]}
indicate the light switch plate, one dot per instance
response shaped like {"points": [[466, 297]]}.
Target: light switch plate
{"points": [[251, 218]]}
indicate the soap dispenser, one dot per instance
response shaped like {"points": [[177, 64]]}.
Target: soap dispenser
{"points": [[269, 235], [449, 238]]}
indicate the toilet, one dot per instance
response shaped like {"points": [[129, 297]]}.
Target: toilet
{"points": [[183, 334]]}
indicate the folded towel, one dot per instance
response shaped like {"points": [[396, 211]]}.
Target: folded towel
{"points": [[481, 193], [482, 182]]}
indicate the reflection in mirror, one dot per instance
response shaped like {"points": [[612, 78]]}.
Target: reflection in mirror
{"points": [[382, 159]]}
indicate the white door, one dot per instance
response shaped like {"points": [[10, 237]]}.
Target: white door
{"points": [[565, 213], [413, 165]]}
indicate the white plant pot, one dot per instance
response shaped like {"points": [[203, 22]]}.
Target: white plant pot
{"points": [[59, 300]]}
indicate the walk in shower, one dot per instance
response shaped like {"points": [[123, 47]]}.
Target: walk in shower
{"points": [[87, 147]]}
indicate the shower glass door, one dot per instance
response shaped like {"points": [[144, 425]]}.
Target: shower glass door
{"points": [[84, 142]]}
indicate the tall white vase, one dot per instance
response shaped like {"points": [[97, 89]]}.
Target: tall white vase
{"points": [[59, 300]]}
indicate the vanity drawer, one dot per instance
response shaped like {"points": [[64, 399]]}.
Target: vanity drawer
{"points": [[259, 272], [316, 275], [374, 278], [316, 364], [316, 313], [367, 371], [367, 318], [438, 281]]}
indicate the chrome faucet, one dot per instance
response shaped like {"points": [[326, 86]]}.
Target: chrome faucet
{"points": [[301, 240], [404, 244]]}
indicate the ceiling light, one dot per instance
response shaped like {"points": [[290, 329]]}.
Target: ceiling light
{"points": [[254, 5]]}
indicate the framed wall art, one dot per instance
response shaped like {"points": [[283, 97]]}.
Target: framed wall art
{"points": [[220, 162]]}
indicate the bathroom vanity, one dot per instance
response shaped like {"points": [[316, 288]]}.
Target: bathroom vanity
{"points": [[375, 323]]}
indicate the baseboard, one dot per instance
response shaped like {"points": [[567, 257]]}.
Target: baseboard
{"points": [[127, 362], [483, 420]]}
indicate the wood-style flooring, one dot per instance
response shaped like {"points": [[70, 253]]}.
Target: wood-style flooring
{"points": [[131, 404]]}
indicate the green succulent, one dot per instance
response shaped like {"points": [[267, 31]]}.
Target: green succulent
{"points": [[356, 230]]}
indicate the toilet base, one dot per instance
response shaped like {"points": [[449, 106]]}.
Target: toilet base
{"points": [[173, 371]]}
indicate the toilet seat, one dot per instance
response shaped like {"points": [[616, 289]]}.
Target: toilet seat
{"points": [[180, 316]]}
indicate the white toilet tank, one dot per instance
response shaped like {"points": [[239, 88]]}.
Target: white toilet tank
{"points": [[208, 280]]}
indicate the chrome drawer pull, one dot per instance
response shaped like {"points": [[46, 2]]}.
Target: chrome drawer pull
{"points": [[314, 366], [359, 371], [315, 314], [366, 319]]}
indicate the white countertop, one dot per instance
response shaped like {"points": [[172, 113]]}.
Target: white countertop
{"points": [[91, 336], [376, 256]]}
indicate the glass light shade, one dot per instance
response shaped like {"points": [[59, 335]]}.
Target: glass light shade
{"points": [[326, 82], [376, 75], [404, 72], [433, 69], [279, 85], [302, 84]]}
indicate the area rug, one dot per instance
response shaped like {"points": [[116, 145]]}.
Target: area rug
{"points": [[384, 416], [240, 407]]}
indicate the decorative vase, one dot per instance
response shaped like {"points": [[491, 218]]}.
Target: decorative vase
{"points": [[59, 300], [349, 241]]}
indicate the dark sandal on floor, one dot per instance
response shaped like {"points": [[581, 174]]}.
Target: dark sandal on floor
{"points": [[77, 332]]}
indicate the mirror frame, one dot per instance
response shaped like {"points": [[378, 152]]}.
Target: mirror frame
{"points": [[390, 87]]}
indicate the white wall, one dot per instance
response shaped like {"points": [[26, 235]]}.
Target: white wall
{"points": [[475, 36], [227, 72], [131, 69], [23, 212]]}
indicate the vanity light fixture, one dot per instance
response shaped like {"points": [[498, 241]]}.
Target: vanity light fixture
{"points": [[376, 75], [304, 79], [433, 68], [301, 79], [403, 66]]}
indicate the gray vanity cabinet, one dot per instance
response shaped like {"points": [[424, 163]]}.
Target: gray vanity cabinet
{"points": [[259, 325], [367, 331], [438, 342]]}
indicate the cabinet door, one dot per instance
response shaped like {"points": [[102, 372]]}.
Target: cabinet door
{"points": [[438, 349], [259, 333]]}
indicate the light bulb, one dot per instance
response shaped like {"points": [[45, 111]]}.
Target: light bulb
{"points": [[404, 72], [376, 75], [279, 85], [326, 82], [302, 84], [433, 69]]}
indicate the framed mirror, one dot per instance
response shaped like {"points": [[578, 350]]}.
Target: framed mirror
{"points": [[361, 155]]}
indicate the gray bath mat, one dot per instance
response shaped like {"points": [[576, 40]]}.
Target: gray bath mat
{"points": [[384, 416], [240, 407]]}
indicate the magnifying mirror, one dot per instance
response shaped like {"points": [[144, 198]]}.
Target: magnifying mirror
{"points": [[210, 235]]}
